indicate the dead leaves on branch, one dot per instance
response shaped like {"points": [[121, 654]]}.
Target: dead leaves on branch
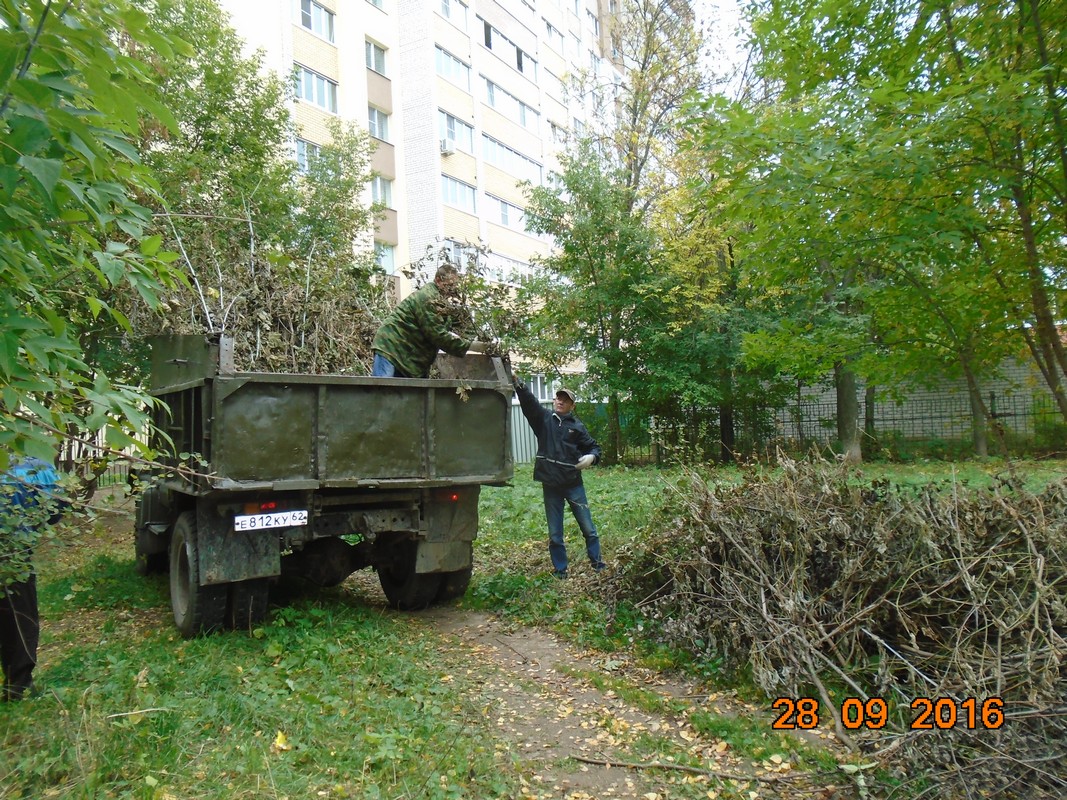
{"points": [[818, 584], [287, 318]]}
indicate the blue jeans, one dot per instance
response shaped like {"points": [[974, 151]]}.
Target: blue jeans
{"points": [[575, 498], [383, 367]]}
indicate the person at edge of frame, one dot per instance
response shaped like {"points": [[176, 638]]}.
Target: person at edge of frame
{"points": [[564, 449], [29, 500]]}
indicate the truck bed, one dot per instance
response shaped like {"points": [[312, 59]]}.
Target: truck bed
{"points": [[284, 431]]}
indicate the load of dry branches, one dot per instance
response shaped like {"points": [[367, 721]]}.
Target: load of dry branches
{"points": [[816, 583]]}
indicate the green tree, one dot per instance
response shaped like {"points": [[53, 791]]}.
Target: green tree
{"points": [[271, 251], [73, 216], [895, 177], [692, 376], [594, 278], [611, 177]]}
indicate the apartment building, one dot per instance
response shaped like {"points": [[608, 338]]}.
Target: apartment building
{"points": [[465, 101]]}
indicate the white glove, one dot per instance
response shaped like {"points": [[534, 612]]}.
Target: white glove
{"points": [[477, 346], [586, 461]]}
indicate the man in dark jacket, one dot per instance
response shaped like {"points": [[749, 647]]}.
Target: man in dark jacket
{"points": [[28, 501], [564, 449], [407, 342]]}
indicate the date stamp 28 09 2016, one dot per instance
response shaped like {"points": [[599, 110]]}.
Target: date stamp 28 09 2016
{"points": [[931, 713]]}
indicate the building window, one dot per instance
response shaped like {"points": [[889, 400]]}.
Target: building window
{"points": [[525, 64], [376, 58], [458, 194], [541, 387], [378, 123], [511, 216], [381, 191], [451, 68], [456, 131], [511, 161], [455, 12], [461, 254], [306, 152], [317, 89], [507, 49], [385, 255], [511, 107], [317, 19], [554, 87], [555, 37]]}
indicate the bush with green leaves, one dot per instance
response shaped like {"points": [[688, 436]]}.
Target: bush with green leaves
{"points": [[74, 219]]}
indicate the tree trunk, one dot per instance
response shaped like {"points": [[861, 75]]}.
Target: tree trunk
{"points": [[979, 416], [848, 414], [1048, 335], [868, 414], [727, 434], [612, 449]]}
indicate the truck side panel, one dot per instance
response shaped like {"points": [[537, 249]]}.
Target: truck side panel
{"points": [[354, 432]]}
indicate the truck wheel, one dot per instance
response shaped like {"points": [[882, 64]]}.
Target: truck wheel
{"points": [[405, 589], [196, 608], [248, 603], [454, 584]]}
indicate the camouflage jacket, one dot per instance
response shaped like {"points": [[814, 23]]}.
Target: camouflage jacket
{"points": [[418, 327]]}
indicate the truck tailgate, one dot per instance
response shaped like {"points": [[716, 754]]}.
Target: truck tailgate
{"points": [[291, 431]]}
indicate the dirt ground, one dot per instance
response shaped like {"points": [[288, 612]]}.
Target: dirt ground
{"points": [[571, 740], [576, 740]]}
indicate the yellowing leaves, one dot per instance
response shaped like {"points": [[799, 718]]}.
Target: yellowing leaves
{"points": [[281, 743]]}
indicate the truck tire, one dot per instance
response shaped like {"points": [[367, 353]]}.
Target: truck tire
{"points": [[405, 589], [454, 584], [248, 603], [196, 608]]}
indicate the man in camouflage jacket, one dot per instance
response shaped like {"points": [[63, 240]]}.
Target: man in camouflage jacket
{"points": [[406, 344]]}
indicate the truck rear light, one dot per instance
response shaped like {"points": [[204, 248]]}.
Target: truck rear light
{"points": [[446, 496], [261, 508]]}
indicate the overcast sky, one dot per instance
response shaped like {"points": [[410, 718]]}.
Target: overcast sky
{"points": [[721, 20]]}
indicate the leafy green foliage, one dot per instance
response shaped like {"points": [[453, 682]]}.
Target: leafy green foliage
{"points": [[883, 194], [73, 222], [606, 293], [271, 251]]}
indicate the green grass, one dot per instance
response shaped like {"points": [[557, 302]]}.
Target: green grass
{"points": [[331, 698], [335, 697]]}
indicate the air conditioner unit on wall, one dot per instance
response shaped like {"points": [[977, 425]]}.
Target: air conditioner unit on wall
{"points": [[448, 147]]}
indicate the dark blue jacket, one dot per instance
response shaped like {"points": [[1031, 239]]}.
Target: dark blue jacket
{"points": [[561, 441]]}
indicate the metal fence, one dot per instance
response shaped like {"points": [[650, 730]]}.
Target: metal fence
{"points": [[934, 425]]}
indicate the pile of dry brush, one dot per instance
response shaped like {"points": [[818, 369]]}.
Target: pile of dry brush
{"points": [[817, 584], [282, 319]]}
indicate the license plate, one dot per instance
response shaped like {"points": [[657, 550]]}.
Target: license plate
{"points": [[279, 519]]}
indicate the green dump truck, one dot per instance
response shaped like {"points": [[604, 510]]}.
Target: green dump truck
{"points": [[315, 476]]}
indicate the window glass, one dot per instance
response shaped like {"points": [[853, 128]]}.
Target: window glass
{"points": [[378, 123], [306, 152], [456, 131], [317, 89], [385, 255], [381, 190], [457, 193], [454, 70], [375, 58], [316, 19]]}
